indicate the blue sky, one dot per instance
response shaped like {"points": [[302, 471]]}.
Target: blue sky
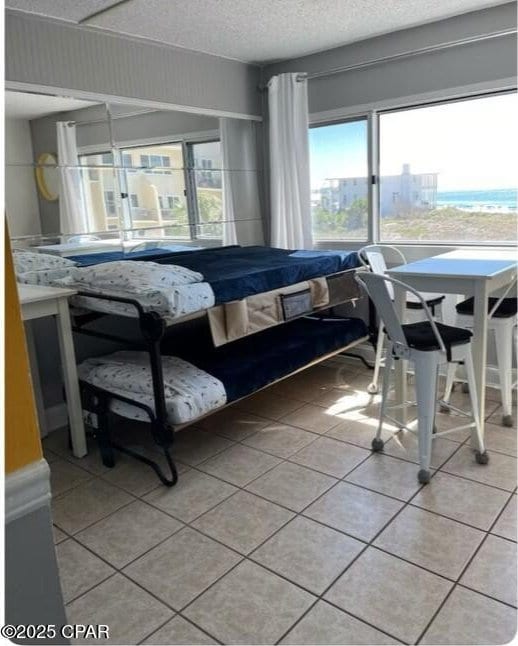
{"points": [[338, 151], [470, 144]]}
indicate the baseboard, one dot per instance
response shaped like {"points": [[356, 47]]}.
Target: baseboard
{"points": [[366, 351], [26, 490], [56, 417]]}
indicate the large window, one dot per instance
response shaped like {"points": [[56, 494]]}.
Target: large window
{"points": [[448, 171], [339, 181]]}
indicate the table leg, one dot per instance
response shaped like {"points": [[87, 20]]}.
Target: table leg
{"points": [[400, 370], [68, 361], [35, 377], [480, 347]]}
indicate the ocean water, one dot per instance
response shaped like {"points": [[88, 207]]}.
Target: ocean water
{"points": [[504, 200]]}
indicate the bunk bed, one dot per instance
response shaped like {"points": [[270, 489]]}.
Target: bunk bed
{"points": [[266, 319]]}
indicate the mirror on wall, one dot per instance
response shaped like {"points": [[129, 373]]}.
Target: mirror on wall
{"points": [[83, 176], [170, 170]]}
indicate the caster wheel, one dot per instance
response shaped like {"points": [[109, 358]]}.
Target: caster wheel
{"points": [[482, 458], [465, 388], [423, 476], [444, 409], [377, 445], [373, 389], [507, 420]]}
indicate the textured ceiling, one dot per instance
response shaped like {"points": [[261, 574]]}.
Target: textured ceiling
{"points": [[253, 30], [20, 105], [71, 10]]}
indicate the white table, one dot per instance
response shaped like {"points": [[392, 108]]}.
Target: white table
{"points": [[467, 272], [38, 301]]}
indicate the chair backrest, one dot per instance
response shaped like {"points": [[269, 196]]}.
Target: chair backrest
{"points": [[377, 287], [374, 257]]}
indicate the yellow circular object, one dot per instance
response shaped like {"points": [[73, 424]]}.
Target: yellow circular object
{"points": [[47, 177]]}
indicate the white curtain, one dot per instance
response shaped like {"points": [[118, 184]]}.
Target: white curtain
{"points": [[289, 162], [241, 207], [72, 212]]}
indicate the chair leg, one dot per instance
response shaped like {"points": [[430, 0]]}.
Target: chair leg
{"points": [[504, 359], [373, 387], [477, 440], [450, 378], [377, 442], [426, 369]]}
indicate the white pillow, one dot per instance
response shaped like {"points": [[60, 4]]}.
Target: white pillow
{"points": [[43, 276], [25, 261], [135, 275]]}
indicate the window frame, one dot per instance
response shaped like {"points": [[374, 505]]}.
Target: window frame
{"points": [[373, 118], [367, 117], [191, 178]]}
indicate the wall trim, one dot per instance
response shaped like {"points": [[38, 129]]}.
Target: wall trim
{"points": [[460, 92], [26, 490], [36, 88]]}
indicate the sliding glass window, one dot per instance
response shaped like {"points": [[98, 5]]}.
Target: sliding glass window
{"points": [[448, 171], [339, 181]]}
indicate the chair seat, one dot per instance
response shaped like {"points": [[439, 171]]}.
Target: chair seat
{"points": [[420, 336], [432, 300], [507, 308]]}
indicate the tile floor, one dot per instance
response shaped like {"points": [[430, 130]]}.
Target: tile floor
{"points": [[284, 528]]}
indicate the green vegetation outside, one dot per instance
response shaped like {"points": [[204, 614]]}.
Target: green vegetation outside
{"points": [[445, 224]]}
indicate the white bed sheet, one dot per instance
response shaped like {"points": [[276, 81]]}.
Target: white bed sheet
{"points": [[175, 302], [189, 391]]}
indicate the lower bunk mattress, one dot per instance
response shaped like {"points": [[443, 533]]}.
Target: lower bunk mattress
{"points": [[199, 378]]}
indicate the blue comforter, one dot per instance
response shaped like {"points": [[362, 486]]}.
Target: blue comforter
{"points": [[236, 272], [88, 259], [251, 363]]}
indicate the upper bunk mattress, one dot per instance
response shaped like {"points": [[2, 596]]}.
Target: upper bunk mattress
{"points": [[225, 275], [237, 272]]}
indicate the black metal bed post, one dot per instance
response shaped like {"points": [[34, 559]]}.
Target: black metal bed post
{"points": [[152, 328]]}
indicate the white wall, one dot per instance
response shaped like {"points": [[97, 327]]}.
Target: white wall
{"points": [[21, 200]]}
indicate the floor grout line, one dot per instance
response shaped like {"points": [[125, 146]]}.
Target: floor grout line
{"points": [[464, 570], [249, 556]]}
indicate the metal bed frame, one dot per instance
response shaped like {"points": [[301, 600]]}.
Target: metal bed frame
{"points": [[96, 400]]}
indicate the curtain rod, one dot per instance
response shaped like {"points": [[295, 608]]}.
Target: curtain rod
{"points": [[406, 54]]}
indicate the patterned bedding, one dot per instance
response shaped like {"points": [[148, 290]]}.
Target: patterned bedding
{"points": [[245, 289], [171, 290], [189, 391], [40, 268]]}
